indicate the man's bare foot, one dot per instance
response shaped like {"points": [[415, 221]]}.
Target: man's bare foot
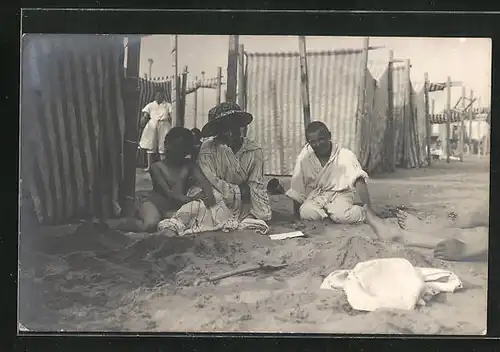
{"points": [[451, 249], [146, 169], [383, 231]]}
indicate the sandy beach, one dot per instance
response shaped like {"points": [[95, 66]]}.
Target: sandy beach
{"points": [[90, 278]]}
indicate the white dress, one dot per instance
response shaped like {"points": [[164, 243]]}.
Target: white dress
{"points": [[153, 135]]}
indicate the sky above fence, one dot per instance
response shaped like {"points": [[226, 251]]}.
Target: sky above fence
{"points": [[463, 59]]}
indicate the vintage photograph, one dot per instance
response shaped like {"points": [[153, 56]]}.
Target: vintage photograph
{"points": [[235, 183]]}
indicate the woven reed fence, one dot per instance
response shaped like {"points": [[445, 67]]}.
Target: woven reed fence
{"points": [[335, 77], [73, 125]]}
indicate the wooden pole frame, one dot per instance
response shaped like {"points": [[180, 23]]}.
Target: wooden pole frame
{"points": [[219, 85], [241, 77], [407, 120], [203, 113], [304, 81], [195, 117], [461, 132], [448, 118], [471, 146], [150, 61], [479, 142], [182, 115], [232, 68], [391, 156], [242, 101], [177, 82], [428, 127]]}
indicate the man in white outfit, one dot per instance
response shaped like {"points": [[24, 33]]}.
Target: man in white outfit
{"points": [[156, 121], [326, 179]]}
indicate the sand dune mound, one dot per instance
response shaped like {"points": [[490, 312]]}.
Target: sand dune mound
{"points": [[96, 270]]}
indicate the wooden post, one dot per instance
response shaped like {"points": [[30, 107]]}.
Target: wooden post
{"points": [[196, 101], [177, 80], [219, 84], [176, 55], [487, 140], [448, 118], [479, 141], [433, 110], [390, 113], [178, 99], [471, 146], [407, 116], [242, 83], [304, 80], [362, 96], [182, 101], [461, 132], [203, 113], [428, 127], [241, 77], [132, 107], [150, 60], [232, 68]]}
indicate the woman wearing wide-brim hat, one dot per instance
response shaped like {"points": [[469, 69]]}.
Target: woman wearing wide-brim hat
{"points": [[225, 114], [234, 164]]}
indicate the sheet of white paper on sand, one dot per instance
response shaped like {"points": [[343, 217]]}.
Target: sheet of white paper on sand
{"points": [[283, 236]]}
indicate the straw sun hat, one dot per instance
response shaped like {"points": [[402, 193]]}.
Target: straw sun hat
{"points": [[224, 113]]}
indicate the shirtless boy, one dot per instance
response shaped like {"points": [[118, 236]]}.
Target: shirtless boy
{"points": [[171, 179]]}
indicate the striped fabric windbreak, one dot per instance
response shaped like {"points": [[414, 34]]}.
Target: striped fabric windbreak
{"points": [[273, 97], [73, 124], [436, 87], [437, 119], [418, 155], [481, 110], [418, 144], [374, 140], [409, 122], [400, 113]]}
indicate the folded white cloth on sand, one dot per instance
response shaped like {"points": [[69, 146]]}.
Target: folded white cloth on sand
{"points": [[195, 217], [392, 283]]}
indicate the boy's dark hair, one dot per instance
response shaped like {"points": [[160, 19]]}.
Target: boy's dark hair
{"points": [[196, 133], [180, 134]]}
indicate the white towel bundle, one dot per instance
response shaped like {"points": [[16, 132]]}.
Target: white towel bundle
{"points": [[391, 283]]}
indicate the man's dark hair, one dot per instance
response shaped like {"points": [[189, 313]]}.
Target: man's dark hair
{"points": [[180, 134], [315, 126]]}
